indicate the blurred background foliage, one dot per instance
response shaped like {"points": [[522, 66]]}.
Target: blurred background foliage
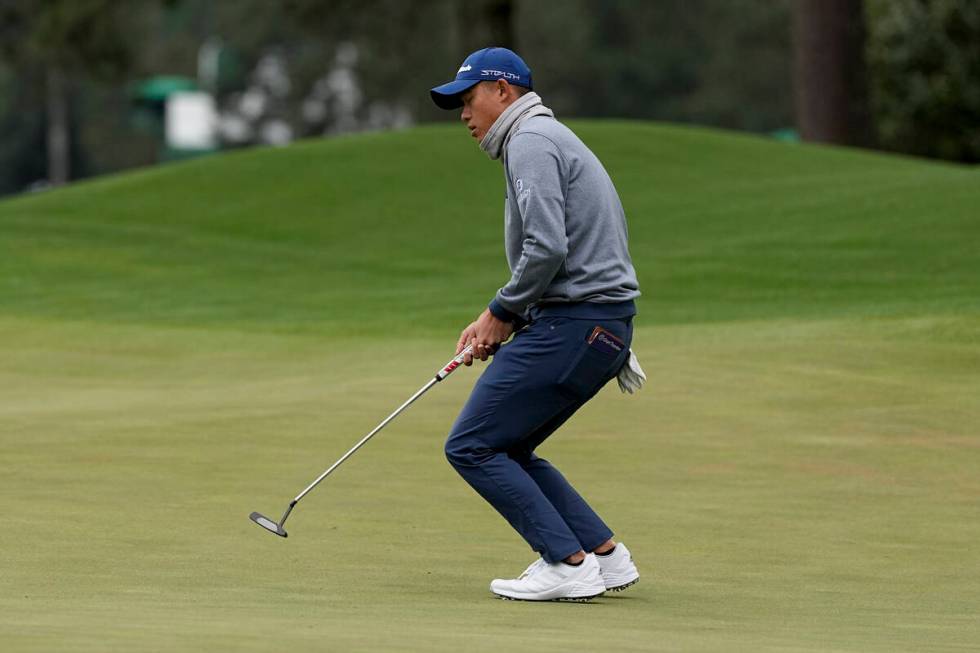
{"points": [[925, 56], [77, 95]]}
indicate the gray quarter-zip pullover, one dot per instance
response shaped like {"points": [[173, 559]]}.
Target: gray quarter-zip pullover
{"points": [[565, 228]]}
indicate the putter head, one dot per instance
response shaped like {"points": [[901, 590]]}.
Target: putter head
{"points": [[268, 524]]}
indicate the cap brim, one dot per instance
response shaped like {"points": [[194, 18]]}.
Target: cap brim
{"points": [[447, 95]]}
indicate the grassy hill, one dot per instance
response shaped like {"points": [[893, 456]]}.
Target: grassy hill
{"points": [[404, 228], [182, 345]]}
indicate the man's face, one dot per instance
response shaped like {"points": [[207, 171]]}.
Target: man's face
{"points": [[482, 105]]}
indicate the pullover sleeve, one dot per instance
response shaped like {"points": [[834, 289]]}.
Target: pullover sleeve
{"points": [[538, 174]]}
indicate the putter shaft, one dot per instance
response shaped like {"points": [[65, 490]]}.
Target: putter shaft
{"points": [[446, 370], [362, 442]]}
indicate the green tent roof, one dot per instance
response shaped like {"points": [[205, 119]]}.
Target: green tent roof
{"points": [[157, 89]]}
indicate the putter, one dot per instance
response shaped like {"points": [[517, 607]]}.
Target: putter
{"points": [[277, 526]]}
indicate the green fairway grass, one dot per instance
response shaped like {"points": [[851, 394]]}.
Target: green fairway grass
{"points": [[183, 345]]}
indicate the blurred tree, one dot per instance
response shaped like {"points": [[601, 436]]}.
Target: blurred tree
{"points": [[830, 74], [483, 23], [925, 60], [717, 62], [61, 39], [402, 46], [22, 158]]}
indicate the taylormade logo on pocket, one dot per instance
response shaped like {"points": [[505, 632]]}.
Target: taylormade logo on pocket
{"points": [[606, 340], [602, 340]]}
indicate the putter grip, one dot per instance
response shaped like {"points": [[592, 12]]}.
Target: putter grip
{"points": [[453, 364]]}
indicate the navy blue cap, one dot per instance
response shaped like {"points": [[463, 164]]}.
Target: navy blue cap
{"points": [[486, 65]]}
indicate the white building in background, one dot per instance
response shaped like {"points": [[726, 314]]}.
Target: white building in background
{"points": [[191, 121]]}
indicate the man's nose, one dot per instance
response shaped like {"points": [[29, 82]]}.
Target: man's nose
{"points": [[464, 115]]}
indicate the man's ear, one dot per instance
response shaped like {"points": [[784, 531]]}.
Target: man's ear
{"points": [[503, 89]]}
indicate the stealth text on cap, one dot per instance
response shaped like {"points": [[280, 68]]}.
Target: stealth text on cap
{"points": [[500, 73]]}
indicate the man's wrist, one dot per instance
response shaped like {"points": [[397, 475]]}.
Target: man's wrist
{"points": [[501, 313]]}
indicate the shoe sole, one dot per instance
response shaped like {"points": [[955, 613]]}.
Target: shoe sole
{"points": [[620, 588], [563, 599]]}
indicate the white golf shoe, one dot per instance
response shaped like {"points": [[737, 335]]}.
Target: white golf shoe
{"points": [[553, 582], [617, 569]]}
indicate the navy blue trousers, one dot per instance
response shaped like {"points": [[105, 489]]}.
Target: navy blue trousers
{"points": [[533, 384]]}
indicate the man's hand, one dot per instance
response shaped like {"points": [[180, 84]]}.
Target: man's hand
{"points": [[485, 335]]}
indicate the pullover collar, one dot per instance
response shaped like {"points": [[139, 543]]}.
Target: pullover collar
{"points": [[526, 106]]}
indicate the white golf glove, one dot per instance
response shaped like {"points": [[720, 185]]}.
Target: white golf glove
{"points": [[631, 375]]}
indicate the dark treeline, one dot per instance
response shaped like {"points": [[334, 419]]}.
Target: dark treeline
{"points": [[895, 74]]}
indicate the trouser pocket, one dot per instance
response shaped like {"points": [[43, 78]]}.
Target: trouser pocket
{"points": [[598, 350]]}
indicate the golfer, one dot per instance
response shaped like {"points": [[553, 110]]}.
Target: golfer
{"points": [[568, 304]]}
